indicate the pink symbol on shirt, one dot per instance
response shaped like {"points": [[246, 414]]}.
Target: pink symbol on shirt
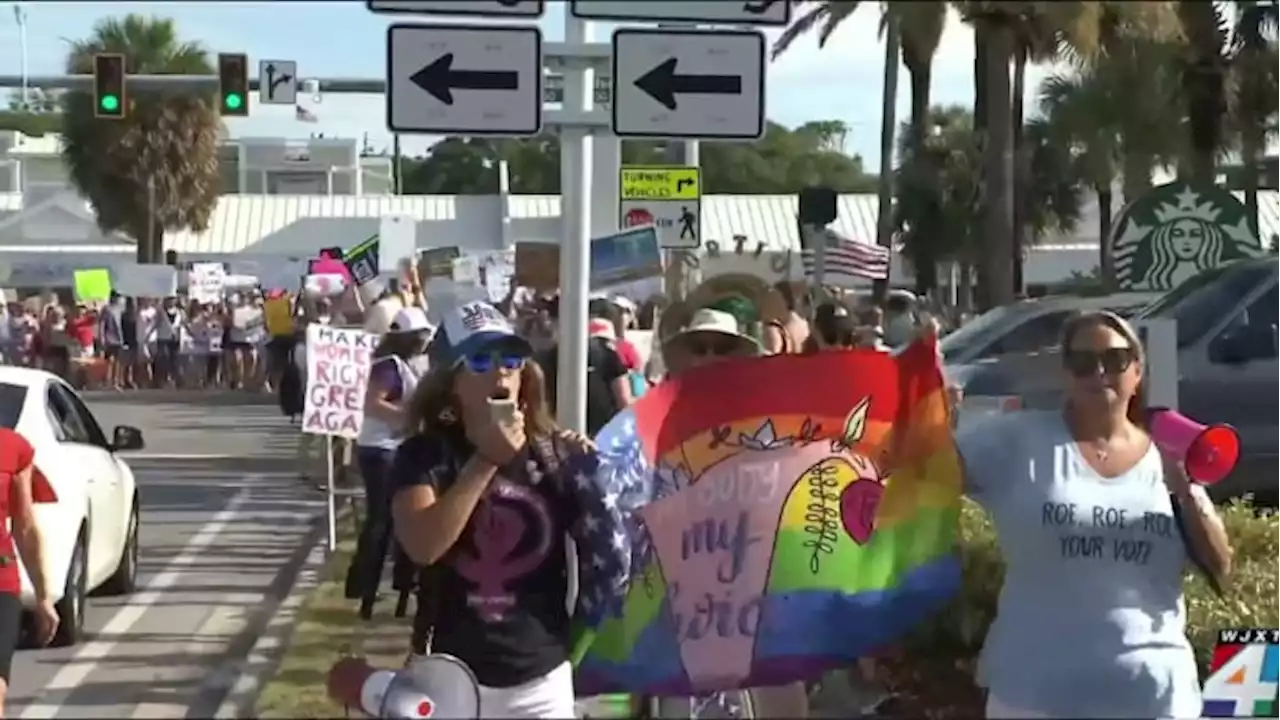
{"points": [[497, 527]]}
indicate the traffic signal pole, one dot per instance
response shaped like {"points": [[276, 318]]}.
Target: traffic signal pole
{"points": [[335, 86], [183, 83]]}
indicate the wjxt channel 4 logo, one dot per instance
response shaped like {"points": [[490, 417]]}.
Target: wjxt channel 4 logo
{"points": [[1242, 679]]}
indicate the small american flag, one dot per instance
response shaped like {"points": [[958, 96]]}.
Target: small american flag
{"points": [[302, 114], [849, 258]]}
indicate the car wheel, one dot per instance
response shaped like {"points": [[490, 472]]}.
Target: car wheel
{"points": [[125, 579], [71, 607]]}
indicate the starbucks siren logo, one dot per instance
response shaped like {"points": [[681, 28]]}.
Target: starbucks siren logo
{"points": [[1173, 232]]}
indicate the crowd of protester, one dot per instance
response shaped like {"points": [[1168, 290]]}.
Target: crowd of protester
{"points": [[128, 343]]}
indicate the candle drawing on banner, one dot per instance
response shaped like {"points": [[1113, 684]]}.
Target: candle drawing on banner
{"points": [[338, 362], [777, 530]]}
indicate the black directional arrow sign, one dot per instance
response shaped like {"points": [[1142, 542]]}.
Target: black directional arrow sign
{"points": [[440, 79], [663, 84], [758, 7], [278, 84], [274, 81]]}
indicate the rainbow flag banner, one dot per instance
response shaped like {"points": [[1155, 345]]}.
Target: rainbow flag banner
{"points": [[784, 516]]}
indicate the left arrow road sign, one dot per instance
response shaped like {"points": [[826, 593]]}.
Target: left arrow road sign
{"points": [[663, 84], [440, 79], [464, 79]]}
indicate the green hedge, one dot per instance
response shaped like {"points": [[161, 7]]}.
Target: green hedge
{"points": [[949, 645]]}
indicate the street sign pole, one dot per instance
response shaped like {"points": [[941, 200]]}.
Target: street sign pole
{"points": [[575, 248]]}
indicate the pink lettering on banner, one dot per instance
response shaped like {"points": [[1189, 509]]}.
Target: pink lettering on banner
{"points": [[338, 362], [714, 542]]}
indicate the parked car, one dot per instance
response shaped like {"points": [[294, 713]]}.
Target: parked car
{"points": [[91, 531], [1029, 325], [1227, 365]]}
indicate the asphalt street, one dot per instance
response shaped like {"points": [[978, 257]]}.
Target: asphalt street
{"points": [[225, 527]]}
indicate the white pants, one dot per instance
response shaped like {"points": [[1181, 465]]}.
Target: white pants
{"points": [[550, 696]]}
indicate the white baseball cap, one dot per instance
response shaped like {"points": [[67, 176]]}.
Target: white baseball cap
{"points": [[410, 319]]}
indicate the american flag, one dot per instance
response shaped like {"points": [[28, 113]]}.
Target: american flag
{"points": [[849, 258], [302, 114], [601, 532]]}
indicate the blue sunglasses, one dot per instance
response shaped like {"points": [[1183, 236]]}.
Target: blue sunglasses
{"points": [[483, 362]]}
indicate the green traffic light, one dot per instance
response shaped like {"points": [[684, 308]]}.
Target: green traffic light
{"points": [[233, 101], [110, 103]]}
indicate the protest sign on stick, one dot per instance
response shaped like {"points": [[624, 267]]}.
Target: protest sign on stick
{"points": [[338, 362]]}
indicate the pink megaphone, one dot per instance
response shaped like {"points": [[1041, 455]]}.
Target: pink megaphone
{"points": [[1208, 452]]}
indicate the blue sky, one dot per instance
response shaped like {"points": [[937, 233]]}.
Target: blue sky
{"points": [[343, 39]]}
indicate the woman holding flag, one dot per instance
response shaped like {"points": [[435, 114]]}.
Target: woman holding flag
{"points": [[1095, 528]]}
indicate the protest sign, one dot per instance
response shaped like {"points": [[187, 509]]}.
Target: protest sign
{"points": [[437, 262], [207, 282], [397, 240], [777, 530], [362, 261], [149, 281], [92, 285], [279, 316], [338, 362]]}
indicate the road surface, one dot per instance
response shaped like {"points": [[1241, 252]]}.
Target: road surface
{"points": [[225, 527]]}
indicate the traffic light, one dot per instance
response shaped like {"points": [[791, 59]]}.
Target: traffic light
{"points": [[108, 86], [233, 84]]}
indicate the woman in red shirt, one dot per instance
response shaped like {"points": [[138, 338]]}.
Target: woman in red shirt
{"points": [[80, 329], [18, 476]]}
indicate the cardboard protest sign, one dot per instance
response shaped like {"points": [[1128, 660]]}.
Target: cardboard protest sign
{"points": [[338, 362], [537, 265], [437, 262]]}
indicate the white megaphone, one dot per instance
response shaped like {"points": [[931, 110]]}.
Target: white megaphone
{"points": [[433, 686]]}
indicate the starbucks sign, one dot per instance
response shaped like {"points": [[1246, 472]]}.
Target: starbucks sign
{"points": [[1175, 231]]}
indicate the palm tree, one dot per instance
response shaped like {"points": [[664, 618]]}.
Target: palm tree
{"points": [[917, 28], [1204, 77], [157, 168], [1119, 113], [921, 25], [1254, 64]]}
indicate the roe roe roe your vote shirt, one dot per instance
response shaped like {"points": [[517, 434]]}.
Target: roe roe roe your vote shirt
{"points": [[1091, 621]]}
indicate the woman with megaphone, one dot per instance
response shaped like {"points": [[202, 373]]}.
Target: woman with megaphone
{"points": [[1096, 525]]}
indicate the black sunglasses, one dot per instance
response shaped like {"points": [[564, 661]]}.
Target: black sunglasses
{"points": [[1112, 361], [712, 346]]}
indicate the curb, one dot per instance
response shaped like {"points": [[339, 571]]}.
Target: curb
{"points": [[263, 659]]}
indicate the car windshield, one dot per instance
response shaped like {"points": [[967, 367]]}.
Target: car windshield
{"points": [[12, 398], [1201, 302], [976, 330]]}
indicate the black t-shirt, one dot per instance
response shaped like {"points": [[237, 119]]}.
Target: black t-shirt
{"points": [[502, 586], [604, 365]]}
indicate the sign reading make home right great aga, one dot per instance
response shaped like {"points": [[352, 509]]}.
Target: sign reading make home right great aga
{"points": [[1175, 231]]}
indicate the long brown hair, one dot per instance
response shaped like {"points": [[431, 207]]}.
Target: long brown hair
{"points": [[433, 409], [1136, 413]]}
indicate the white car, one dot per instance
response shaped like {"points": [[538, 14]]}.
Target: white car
{"points": [[91, 532]]}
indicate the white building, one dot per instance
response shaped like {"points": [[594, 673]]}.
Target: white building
{"points": [[320, 193]]}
